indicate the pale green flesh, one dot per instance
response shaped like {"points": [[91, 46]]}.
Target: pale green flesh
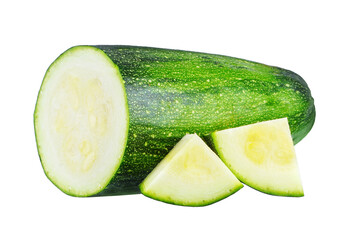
{"points": [[190, 175], [81, 121], [262, 156]]}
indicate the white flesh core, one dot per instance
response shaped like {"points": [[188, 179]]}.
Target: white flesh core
{"points": [[191, 174], [81, 121], [262, 155]]}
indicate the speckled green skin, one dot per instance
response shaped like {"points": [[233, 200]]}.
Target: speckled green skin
{"points": [[171, 93]]}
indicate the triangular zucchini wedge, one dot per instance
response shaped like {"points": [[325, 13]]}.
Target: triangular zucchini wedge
{"points": [[190, 175], [262, 156]]}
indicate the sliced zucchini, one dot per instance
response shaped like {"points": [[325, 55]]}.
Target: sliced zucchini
{"points": [[81, 121], [190, 175], [262, 156]]}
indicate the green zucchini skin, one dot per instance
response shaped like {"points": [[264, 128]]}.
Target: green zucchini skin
{"points": [[171, 93]]}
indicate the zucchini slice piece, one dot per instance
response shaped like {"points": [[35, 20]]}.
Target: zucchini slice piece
{"points": [[190, 175], [81, 121], [262, 156]]}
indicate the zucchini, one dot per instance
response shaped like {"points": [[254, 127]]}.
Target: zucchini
{"points": [[191, 174], [262, 156], [150, 98]]}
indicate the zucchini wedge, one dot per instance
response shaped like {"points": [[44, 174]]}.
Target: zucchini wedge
{"points": [[262, 156], [190, 175]]}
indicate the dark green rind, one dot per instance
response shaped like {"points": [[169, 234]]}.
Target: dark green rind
{"points": [[168, 199], [171, 93]]}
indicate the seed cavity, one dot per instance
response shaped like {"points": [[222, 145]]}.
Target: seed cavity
{"points": [[267, 145], [92, 119], [80, 108], [88, 161]]}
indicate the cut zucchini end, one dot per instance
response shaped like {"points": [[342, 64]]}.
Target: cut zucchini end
{"points": [[262, 156], [190, 175], [81, 121]]}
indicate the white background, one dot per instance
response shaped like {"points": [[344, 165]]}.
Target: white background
{"points": [[308, 37]]}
